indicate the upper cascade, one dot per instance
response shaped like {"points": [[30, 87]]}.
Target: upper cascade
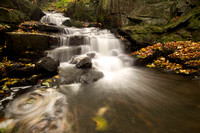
{"points": [[54, 18]]}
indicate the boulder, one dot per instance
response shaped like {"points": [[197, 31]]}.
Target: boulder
{"points": [[16, 11], [47, 66], [71, 75], [84, 62]]}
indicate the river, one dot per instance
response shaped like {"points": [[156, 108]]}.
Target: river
{"points": [[128, 99]]}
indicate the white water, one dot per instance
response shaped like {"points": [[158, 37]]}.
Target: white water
{"points": [[54, 18]]}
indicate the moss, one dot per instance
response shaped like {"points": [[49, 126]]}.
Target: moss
{"points": [[194, 23], [174, 23], [144, 29], [171, 37], [12, 16]]}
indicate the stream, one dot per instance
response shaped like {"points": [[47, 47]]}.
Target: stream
{"points": [[128, 99]]}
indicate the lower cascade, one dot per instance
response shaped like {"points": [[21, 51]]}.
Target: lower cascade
{"points": [[100, 91]]}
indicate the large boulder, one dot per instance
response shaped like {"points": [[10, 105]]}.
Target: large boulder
{"points": [[16, 11]]}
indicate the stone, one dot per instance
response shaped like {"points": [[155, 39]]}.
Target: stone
{"points": [[40, 27], [71, 75], [154, 14], [16, 11], [90, 76], [47, 66], [67, 23], [76, 40], [91, 54], [84, 62], [18, 42]]}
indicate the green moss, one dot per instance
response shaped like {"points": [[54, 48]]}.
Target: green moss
{"points": [[171, 37], [182, 19], [194, 22]]}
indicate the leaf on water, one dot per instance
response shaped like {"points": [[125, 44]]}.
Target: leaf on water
{"points": [[46, 84], [101, 123]]}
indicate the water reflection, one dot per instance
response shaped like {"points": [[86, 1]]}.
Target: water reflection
{"points": [[142, 101]]}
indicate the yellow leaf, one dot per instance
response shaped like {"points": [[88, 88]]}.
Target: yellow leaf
{"points": [[57, 76], [101, 123]]}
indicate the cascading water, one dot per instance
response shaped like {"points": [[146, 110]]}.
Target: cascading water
{"points": [[126, 100], [56, 18]]}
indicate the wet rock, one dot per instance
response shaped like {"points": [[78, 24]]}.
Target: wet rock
{"points": [[76, 40], [73, 75], [91, 54], [34, 25], [73, 59], [90, 76], [84, 62], [47, 66], [18, 43], [67, 23]]}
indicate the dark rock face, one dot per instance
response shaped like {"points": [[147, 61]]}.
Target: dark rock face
{"points": [[117, 13], [16, 11], [84, 62], [182, 28], [47, 66], [18, 43], [153, 14]]}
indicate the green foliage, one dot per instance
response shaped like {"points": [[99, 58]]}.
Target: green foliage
{"points": [[62, 3]]}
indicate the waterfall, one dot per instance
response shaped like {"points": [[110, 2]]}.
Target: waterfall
{"points": [[54, 18], [79, 41]]}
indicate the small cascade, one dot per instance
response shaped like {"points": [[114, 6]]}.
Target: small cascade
{"points": [[54, 18], [80, 41]]}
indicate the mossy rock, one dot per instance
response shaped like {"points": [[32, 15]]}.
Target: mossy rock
{"points": [[16, 11], [183, 19], [12, 16], [194, 22], [82, 11]]}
